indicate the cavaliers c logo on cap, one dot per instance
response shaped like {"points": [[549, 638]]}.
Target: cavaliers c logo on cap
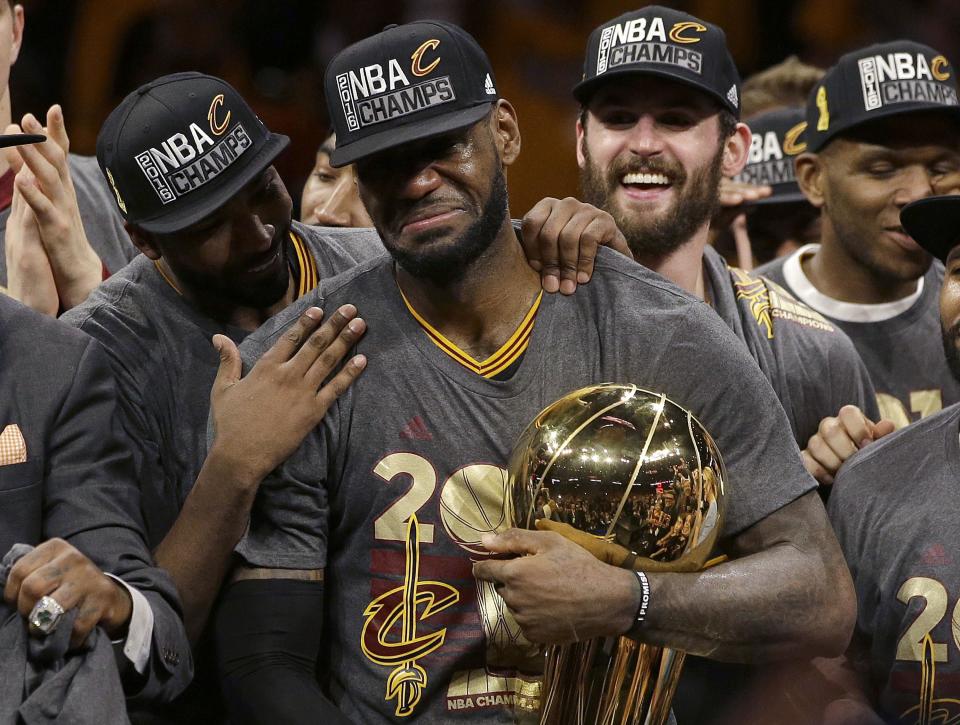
{"points": [[790, 145], [215, 127], [417, 57], [678, 28], [938, 68]]}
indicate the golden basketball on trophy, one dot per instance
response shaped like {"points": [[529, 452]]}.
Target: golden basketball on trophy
{"points": [[637, 480]]}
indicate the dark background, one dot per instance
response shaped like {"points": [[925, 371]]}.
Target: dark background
{"points": [[88, 54]]}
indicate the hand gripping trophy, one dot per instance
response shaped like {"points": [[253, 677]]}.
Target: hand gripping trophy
{"points": [[638, 481]]}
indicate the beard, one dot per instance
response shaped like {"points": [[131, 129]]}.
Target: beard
{"points": [[450, 262], [237, 286], [650, 236], [950, 337]]}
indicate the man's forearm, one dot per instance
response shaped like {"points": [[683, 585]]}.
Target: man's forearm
{"points": [[785, 593], [197, 551], [762, 608], [786, 596]]}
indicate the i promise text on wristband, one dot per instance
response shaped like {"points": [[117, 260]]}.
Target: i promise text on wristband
{"points": [[644, 600]]}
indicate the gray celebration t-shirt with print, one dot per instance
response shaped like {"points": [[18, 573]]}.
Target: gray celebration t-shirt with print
{"points": [[903, 353], [161, 352], [813, 366], [893, 508], [403, 441]]}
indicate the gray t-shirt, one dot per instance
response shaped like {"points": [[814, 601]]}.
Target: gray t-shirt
{"points": [[814, 370], [893, 508], [417, 426], [903, 354], [98, 210], [812, 365], [161, 353], [165, 365]]}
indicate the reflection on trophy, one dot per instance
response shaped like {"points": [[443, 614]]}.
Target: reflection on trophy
{"points": [[640, 484]]}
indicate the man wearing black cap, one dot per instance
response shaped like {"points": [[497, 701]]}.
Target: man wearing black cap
{"points": [[190, 168], [881, 132], [749, 234], [784, 221], [894, 514], [654, 139], [362, 539]]}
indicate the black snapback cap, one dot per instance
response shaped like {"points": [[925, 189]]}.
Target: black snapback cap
{"points": [[879, 81], [180, 147], [778, 138], [406, 83], [934, 223], [662, 42]]}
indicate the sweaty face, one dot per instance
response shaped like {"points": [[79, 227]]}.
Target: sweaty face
{"points": [[238, 254], [650, 154], [869, 177], [437, 204], [330, 196]]}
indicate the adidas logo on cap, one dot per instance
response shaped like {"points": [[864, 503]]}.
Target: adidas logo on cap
{"points": [[733, 97], [488, 86]]}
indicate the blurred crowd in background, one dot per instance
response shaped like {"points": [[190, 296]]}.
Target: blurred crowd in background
{"points": [[88, 54]]}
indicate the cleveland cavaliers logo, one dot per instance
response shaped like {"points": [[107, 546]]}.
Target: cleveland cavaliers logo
{"points": [[940, 68], [407, 605], [754, 291], [792, 145], [416, 67], [676, 32], [217, 127]]}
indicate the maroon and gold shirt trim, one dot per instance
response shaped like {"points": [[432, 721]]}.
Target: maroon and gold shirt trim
{"points": [[302, 265], [509, 352]]}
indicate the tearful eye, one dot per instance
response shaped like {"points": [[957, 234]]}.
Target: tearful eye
{"points": [[945, 167], [676, 120], [618, 118], [880, 169]]}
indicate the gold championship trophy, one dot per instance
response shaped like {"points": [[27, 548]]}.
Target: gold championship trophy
{"points": [[636, 480]]}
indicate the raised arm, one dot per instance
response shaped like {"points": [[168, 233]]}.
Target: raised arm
{"points": [[45, 183], [259, 421]]}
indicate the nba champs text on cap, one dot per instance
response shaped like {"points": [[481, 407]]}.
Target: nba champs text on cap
{"points": [[778, 137], [406, 83], [662, 42], [178, 148], [881, 80]]}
